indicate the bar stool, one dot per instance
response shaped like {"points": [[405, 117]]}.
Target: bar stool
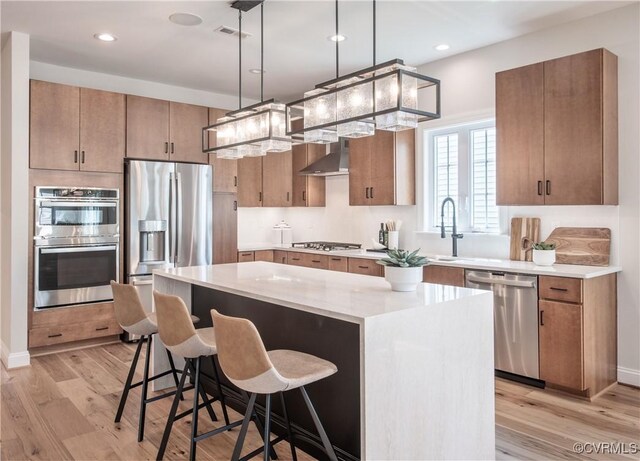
{"points": [[245, 361], [132, 317], [179, 336]]}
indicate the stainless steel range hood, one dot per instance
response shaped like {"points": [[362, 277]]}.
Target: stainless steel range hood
{"points": [[335, 163]]}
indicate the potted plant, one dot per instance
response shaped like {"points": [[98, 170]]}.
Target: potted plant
{"points": [[403, 269], [544, 254]]}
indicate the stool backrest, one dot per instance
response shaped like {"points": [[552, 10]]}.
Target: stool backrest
{"points": [[174, 321], [243, 357], [127, 305]]}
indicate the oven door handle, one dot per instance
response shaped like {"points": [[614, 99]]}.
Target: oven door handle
{"points": [[69, 204], [80, 249]]}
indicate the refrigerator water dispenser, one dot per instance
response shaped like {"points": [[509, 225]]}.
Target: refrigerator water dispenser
{"points": [[152, 240]]}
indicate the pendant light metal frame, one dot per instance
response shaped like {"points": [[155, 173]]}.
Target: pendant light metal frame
{"points": [[270, 107], [373, 74]]}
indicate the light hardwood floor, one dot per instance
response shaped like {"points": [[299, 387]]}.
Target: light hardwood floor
{"points": [[62, 407]]}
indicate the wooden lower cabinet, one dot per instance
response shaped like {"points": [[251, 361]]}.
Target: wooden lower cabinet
{"points": [[263, 255], [245, 256], [225, 228], [295, 258], [338, 263], [444, 275], [365, 266], [578, 340], [280, 256], [63, 325]]}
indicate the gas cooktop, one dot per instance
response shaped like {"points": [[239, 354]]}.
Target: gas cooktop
{"points": [[326, 246]]}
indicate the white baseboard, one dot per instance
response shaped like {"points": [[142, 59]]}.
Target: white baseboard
{"points": [[15, 359], [629, 376]]}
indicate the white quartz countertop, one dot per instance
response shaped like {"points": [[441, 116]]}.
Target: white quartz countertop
{"points": [[345, 296], [504, 265]]}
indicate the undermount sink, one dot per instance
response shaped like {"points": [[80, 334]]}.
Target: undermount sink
{"points": [[445, 258]]}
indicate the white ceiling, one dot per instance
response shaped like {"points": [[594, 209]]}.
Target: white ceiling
{"points": [[297, 52]]}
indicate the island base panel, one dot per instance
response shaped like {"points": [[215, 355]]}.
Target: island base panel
{"points": [[336, 398]]}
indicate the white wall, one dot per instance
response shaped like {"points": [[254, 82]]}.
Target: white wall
{"points": [[468, 94], [14, 166]]}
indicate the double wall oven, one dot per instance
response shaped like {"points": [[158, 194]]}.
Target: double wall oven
{"points": [[76, 245]]}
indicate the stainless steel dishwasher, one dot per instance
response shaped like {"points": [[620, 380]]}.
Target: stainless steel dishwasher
{"points": [[515, 319]]}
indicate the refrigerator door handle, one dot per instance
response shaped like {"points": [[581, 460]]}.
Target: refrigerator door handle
{"points": [[178, 215], [172, 220]]}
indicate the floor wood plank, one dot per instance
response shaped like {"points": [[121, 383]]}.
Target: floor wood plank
{"points": [[63, 406]]}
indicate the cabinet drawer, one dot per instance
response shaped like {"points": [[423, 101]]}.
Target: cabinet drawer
{"points": [[316, 261], [296, 259], [339, 264], [245, 256], [443, 275], [364, 267], [561, 289], [263, 255], [57, 334]]}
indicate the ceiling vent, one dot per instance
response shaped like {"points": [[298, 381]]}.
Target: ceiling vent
{"points": [[232, 31]]}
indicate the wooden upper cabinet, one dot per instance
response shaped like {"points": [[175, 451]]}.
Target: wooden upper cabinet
{"points": [[185, 132], [382, 169], [76, 128], [102, 130], [557, 132], [250, 182], [276, 179], [520, 135], [225, 171], [308, 191], [147, 128], [225, 228], [54, 126], [578, 140]]}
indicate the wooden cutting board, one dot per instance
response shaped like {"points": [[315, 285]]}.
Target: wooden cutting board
{"points": [[524, 232], [588, 246]]}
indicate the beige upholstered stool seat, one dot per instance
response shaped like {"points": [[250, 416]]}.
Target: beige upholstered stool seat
{"points": [[299, 369], [149, 325], [202, 344]]}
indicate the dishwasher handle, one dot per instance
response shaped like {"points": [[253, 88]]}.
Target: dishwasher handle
{"points": [[509, 283]]}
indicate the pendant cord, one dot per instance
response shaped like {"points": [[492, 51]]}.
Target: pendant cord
{"points": [[337, 45], [239, 59], [374, 32], [262, 52]]}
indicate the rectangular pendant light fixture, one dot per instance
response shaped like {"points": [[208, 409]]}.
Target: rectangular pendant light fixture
{"points": [[383, 97]]}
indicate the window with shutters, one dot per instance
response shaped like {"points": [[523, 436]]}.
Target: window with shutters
{"points": [[463, 166]]}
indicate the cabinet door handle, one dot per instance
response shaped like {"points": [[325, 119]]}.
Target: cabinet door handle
{"points": [[304, 195], [57, 335], [371, 192], [235, 205], [558, 289], [317, 261], [541, 318], [363, 267], [172, 150], [75, 156], [295, 259], [82, 157], [287, 196], [166, 147], [539, 187], [548, 187], [102, 328], [336, 259], [259, 196], [235, 181], [366, 192], [245, 254]]}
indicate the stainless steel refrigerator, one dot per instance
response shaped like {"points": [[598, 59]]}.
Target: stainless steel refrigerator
{"points": [[168, 219]]}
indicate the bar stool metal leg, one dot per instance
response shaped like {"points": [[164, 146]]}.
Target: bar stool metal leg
{"points": [[143, 398], [316, 420], [127, 385], [173, 369], [223, 402], [194, 417], [205, 399], [267, 427], [172, 412], [285, 413], [248, 416]]}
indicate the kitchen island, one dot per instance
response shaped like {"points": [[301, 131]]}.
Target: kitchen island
{"points": [[415, 370]]}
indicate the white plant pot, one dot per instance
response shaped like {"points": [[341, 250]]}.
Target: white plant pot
{"points": [[403, 278], [544, 257]]}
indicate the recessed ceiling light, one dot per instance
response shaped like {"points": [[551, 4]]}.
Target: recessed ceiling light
{"points": [[105, 37], [442, 47], [337, 38], [257, 71], [185, 19]]}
